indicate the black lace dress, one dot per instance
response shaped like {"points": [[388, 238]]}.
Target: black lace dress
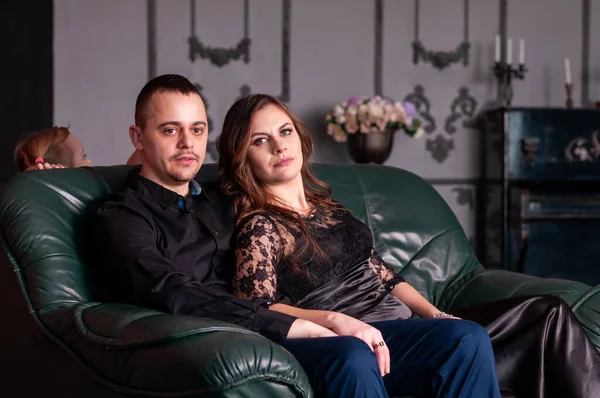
{"points": [[541, 349], [350, 277]]}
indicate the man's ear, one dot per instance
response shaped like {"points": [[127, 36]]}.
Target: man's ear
{"points": [[135, 134]]}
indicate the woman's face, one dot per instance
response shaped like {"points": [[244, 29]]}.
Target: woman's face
{"points": [[79, 158], [275, 153]]}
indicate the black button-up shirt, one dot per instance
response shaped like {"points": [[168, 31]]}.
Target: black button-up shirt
{"points": [[175, 254]]}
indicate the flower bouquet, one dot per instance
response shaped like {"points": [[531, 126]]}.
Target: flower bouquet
{"points": [[368, 124], [367, 115]]}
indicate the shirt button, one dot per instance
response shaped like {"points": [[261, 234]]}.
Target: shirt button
{"points": [[216, 232]]}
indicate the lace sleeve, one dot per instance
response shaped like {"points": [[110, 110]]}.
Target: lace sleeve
{"points": [[259, 248], [387, 276]]}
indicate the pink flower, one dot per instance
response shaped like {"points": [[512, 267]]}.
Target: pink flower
{"points": [[351, 124], [365, 126], [336, 132], [381, 123]]}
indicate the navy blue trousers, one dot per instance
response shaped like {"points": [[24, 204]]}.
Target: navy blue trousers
{"points": [[429, 357]]}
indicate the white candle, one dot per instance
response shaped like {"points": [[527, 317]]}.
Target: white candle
{"points": [[568, 71], [522, 52], [509, 51], [497, 48]]}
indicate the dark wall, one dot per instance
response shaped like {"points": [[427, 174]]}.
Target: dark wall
{"points": [[26, 73]]}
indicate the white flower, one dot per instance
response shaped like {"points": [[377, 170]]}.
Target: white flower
{"points": [[375, 110], [363, 114], [419, 133], [338, 110], [340, 119]]}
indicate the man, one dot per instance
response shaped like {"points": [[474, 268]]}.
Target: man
{"points": [[171, 239]]}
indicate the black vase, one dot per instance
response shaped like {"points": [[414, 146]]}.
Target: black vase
{"points": [[373, 147]]}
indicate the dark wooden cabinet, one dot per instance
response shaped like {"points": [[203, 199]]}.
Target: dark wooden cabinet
{"points": [[540, 188]]}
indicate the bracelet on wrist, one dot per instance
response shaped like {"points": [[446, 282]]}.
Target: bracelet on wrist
{"points": [[439, 314]]}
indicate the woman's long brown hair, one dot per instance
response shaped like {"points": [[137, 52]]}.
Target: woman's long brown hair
{"points": [[251, 197], [47, 144]]}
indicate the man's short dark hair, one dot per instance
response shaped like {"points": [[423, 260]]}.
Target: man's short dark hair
{"points": [[162, 83]]}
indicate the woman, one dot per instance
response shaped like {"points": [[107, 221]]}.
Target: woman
{"points": [[52, 148], [301, 253]]}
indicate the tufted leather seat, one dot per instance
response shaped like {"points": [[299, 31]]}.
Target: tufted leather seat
{"points": [[59, 340]]}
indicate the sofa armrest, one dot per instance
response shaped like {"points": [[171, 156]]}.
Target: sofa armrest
{"points": [[147, 352], [117, 326], [498, 284], [488, 286]]}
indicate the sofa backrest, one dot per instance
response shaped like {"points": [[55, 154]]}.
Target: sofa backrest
{"points": [[45, 218]]}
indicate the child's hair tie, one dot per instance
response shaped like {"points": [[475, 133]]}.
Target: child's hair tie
{"points": [[39, 160]]}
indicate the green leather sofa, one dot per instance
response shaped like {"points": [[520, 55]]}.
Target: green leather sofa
{"points": [[58, 340]]}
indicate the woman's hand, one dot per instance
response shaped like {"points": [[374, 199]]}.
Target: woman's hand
{"points": [[302, 328], [340, 325], [441, 314], [345, 325]]}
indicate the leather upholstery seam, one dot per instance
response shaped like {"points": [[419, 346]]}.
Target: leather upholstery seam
{"points": [[527, 284], [107, 342], [473, 275], [43, 307], [25, 266], [591, 291], [218, 389], [19, 275], [429, 241], [363, 190]]}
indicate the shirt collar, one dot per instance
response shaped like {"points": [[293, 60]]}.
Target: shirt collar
{"points": [[160, 194], [195, 188]]}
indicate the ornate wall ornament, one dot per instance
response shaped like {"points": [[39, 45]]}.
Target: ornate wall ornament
{"points": [[222, 56], [245, 91], [441, 59], [463, 106], [219, 56], [465, 196], [423, 106], [439, 147]]}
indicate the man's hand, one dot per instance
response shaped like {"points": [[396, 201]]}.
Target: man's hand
{"points": [[301, 328], [345, 325]]}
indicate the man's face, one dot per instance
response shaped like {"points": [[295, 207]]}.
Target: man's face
{"points": [[173, 139]]}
